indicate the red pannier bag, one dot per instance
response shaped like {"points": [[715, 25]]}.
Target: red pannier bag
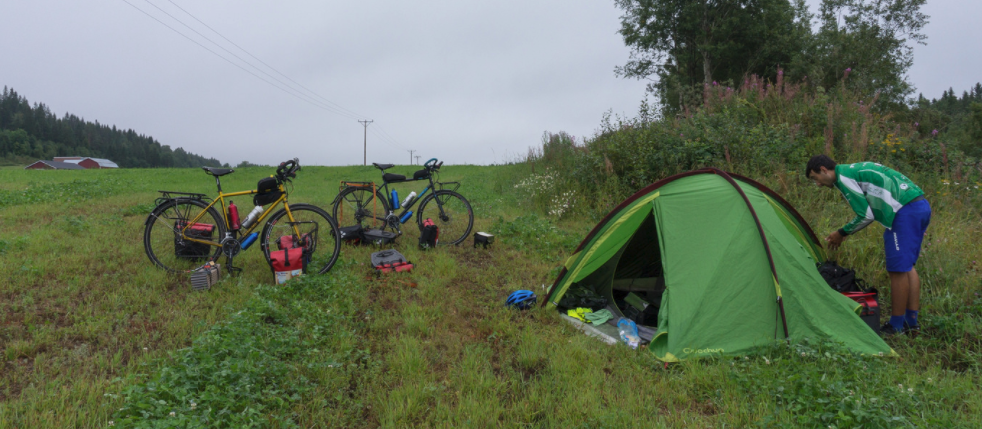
{"points": [[286, 263]]}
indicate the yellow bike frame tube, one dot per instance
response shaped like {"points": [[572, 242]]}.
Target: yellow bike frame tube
{"points": [[221, 197]]}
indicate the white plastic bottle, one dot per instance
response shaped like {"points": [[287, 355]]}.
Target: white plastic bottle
{"points": [[253, 215], [409, 198]]}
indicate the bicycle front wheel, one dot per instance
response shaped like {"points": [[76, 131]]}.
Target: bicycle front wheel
{"points": [[313, 228], [360, 205], [173, 251], [450, 212]]}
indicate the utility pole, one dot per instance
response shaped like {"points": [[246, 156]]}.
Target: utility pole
{"points": [[411, 155], [365, 123], [417, 159]]}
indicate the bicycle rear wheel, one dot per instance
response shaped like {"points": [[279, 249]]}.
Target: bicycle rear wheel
{"points": [[319, 235], [450, 212], [360, 205], [171, 250]]}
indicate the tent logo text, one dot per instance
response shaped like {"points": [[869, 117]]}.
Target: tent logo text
{"points": [[691, 351]]}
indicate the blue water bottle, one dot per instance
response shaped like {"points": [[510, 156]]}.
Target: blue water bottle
{"points": [[406, 217], [249, 240], [395, 200]]}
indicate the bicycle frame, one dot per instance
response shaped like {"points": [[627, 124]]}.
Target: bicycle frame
{"points": [[384, 190], [224, 210]]}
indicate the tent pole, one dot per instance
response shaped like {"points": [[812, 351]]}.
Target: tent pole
{"points": [[784, 320]]}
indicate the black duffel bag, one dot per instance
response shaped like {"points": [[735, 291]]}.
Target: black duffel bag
{"points": [[840, 278]]}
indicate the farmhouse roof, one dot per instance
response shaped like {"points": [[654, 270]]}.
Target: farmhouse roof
{"points": [[58, 165]]}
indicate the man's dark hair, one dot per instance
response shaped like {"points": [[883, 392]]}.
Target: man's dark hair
{"points": [[819, 161]]}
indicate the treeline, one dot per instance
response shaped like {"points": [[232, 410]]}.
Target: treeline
{"points": [[682, 46], [763, 128], [959, 119], [29, 133]]}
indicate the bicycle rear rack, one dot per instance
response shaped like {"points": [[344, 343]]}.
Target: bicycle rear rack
{"points": [[444, 186], [346, 184], [170, 195]]}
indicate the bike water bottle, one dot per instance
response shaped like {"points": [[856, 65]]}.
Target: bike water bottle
{"points": [[409, 199], [249, 240], [406, 217], [253, 215], [233, 217], [395, 200]]}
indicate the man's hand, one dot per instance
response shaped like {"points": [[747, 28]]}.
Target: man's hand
{"points": [[834, 240]]}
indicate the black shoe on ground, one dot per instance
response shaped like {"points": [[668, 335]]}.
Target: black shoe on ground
{"points": [[912, 330], [888, 331]]}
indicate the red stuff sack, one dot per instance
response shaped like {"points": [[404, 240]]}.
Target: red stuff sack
{"points": [[286, 264]]}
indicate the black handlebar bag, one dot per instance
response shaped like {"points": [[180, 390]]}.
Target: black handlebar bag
{"points": [[268, 192]]}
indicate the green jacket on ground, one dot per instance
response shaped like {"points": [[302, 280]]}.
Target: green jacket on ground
{"points": [[874, 192]]}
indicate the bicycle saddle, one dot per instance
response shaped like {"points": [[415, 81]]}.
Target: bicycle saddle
{"points": [[217, 172], [383, 167]]}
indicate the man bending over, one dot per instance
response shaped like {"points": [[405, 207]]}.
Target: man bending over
{"points": [[880, 193]]}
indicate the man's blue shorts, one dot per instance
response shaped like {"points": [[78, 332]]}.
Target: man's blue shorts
{"points": [[903, 241]]}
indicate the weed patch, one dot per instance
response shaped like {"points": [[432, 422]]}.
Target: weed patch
{"points": [[535, 233], [68, 192], [247, 370]]}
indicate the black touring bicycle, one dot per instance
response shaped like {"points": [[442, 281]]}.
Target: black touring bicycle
{"points": [[374, 206]]}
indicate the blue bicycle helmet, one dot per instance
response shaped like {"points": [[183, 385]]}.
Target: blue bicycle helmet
{"points": [[521, 299]]}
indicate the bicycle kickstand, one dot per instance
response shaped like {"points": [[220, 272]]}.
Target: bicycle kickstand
{"points": [[232, 270]]}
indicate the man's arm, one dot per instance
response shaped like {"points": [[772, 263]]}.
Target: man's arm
{"points": [[857, 223], [856, 198]]}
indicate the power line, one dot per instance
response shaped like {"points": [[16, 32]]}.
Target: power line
{"points": [[337, 111], [327, 105], [263, 62], [385, 140], [314, 103]]}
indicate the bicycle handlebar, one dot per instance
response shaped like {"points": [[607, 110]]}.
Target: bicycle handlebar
{"points": [[432, 164], [288, 169]]}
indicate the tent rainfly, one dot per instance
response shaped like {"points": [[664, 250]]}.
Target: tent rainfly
{"points": [[725, 263]]}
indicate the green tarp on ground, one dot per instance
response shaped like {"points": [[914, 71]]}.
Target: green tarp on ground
{"points": [[726, 249]]}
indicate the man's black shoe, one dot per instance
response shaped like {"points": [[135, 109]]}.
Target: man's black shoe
{"points": [[888, 331], [912, 330]]}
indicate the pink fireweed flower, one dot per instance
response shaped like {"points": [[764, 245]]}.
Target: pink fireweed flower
{"points": [[934, 133]]}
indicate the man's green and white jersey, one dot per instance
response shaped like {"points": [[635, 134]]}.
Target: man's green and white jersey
{"points": [[874, 192]]}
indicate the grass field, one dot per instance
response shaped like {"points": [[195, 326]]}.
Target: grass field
{"points": [[91, 335]]}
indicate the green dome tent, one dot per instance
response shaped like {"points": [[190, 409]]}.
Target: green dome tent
{"points": [[728, 264]]}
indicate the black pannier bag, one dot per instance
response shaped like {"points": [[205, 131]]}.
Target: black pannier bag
{"points": [[378, 237], [268, 192], [194, 251], [429, 234], [351, 234]]}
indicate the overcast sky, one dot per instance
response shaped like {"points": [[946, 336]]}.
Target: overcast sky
{"points": [[465, 81]]}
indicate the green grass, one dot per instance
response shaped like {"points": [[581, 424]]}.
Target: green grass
{"points": [[91, 333]]}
